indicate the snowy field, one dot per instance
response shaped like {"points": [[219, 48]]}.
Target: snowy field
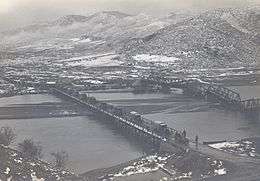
{"points": [[58, 44], [87, 40], [158, 60], [243, 148], [99, 60], [154, 58]]}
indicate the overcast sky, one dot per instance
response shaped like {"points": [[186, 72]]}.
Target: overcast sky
{"points": [[21, 12]]}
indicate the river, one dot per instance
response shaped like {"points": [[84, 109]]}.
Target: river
{"points": [[89, 143], [247, 92], [207, 120]]}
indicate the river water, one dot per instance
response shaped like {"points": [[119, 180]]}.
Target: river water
{"points": [[247, 92], [207, 120], [89, 143]]}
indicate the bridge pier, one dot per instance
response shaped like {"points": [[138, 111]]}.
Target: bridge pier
{"points": [[128, 131]]}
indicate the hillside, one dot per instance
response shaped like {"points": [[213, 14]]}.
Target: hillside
{"points": [[111, 26], [14, 166], [195, 40], [214, 39]]}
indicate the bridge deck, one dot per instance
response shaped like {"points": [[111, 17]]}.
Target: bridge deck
{"points": [[201, 88], [203, 149], [131, 124]]}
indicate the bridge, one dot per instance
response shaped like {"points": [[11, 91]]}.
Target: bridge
{"points": [[158, 135], [155, 133], [196, 87]]}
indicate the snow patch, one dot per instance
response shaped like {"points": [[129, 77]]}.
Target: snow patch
{"points": [[104, 61], [154, 58], [7, 170], [146, 165], [92, 81], [35, 178], [224, 145], [221, 171], [184, 176], [242, 148]]}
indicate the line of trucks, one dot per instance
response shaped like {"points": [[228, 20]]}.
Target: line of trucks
{"points": [[160, 128]]}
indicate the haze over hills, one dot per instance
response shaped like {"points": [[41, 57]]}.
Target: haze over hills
{"points": [[110, 26], [67, 21], [107, 25]]}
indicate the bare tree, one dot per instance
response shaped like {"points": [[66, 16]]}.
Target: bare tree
{"points": [[30, 149], [7, 135], [60, 159], [4, 157]]}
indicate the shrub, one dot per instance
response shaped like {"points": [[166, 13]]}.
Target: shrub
{"points": [[7, 136], [4, 158], [60, 159], [30, 149]]}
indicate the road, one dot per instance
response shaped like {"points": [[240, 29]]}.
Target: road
{"points": [[242, 168]]}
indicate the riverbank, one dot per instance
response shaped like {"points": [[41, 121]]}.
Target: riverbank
{"points": [[162, 166], [15, 166], [43, 110], [90, 143], [162, 104]]}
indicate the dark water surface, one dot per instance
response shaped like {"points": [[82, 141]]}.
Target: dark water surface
{"points": [[208, 120], [90, 143], [247, 92]]}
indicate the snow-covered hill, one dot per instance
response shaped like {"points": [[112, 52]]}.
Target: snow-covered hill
{"points": [[209, 39], [108, 25], [212, 39], [69, 20]]}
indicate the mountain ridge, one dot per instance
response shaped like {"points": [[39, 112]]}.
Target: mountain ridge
{"points": [[206, 38]]}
